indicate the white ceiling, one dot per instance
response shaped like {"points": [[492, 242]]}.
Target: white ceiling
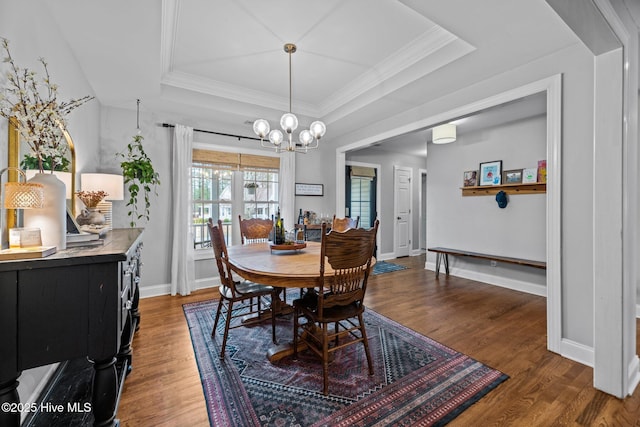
{"points": [[220, 64]]}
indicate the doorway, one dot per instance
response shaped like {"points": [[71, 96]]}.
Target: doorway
{"points": [[402, 210], [552, 87]]}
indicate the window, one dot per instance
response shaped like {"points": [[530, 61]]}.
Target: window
{"points": [[260, 193], [225, 185], [361, 194], [212, 198]]}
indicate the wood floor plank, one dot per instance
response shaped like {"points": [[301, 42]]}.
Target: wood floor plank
{"points": [[502, 328]]}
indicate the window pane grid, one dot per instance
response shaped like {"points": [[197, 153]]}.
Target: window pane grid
{"points": [[260, 193], [361, 199], [212, 195]]}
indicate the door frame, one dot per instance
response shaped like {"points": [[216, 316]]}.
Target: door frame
{"points": [[422, 213], [378, 169], [552, 86]]}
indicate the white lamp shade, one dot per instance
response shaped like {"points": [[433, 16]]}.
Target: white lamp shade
{"points": [[444, 134], [65, 177], [112, 184]]}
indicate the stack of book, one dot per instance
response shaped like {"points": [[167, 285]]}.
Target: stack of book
{"points": [[26, 253], [83, 239]]}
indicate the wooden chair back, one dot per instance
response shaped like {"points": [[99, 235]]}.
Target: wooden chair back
{"points": [[350, 254], [220, 252], [343, 224], [254, 230]]}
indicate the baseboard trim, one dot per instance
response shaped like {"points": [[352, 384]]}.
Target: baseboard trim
{"points": [[165, 289], [577, 352], [516, 285], [634, 375], [387, 256]]}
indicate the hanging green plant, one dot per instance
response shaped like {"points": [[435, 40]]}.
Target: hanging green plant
{"points": [[139, 176]]}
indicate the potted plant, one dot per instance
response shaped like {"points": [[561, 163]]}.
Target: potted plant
{"points": [[91, 215], [251, 186], [139, 176]]}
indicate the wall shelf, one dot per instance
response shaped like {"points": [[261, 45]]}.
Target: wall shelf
{"points": [[489, 190]]}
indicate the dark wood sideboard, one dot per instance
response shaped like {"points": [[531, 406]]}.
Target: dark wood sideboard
{"points": [[75, 303]]}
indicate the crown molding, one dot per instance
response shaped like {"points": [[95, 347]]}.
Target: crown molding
{"points": [[417, 50], [380, 80]]}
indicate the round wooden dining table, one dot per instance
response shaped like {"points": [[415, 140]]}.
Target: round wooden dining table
{"points": [[296, 268]]}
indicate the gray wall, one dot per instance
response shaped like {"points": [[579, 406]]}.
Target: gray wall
{"points": [[477, 223]]}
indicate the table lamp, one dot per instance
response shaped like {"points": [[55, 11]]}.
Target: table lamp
{"points": [[19, 195], [112, 184]]}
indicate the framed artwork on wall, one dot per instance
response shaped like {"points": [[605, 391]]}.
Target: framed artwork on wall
{"points": [[491, 173], [309, 189], [470, 179], [513, 176]]}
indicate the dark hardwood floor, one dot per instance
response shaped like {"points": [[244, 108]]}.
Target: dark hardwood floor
{"points": [[502, 328]]}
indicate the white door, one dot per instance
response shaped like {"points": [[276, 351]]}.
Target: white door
{"points": [[402, 192]]}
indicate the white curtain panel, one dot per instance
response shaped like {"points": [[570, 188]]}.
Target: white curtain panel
{"points": [[287, 187], [182, 254]]}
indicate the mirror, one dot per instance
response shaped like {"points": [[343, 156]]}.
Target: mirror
{"points": [[16, 153]]}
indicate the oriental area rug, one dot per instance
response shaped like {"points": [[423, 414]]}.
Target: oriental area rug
{"points": [[417, 381]]}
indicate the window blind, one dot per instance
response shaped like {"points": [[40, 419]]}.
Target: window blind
{"points": [[236, 160]]}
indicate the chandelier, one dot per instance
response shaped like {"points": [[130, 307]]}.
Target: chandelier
{"points": [[289, 122]]}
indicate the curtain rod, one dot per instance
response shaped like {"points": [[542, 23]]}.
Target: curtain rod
{"points": [[167, 125]]}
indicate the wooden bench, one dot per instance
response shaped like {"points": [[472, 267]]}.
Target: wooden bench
{"points": [[442, 255]]}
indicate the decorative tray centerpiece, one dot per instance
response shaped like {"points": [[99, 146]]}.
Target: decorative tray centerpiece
{"points": [[287, 246]]}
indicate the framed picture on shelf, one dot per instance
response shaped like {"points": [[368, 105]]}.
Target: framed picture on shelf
{"points": [[491, 173], [470, 179], [513, 176], [530, 175]]}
